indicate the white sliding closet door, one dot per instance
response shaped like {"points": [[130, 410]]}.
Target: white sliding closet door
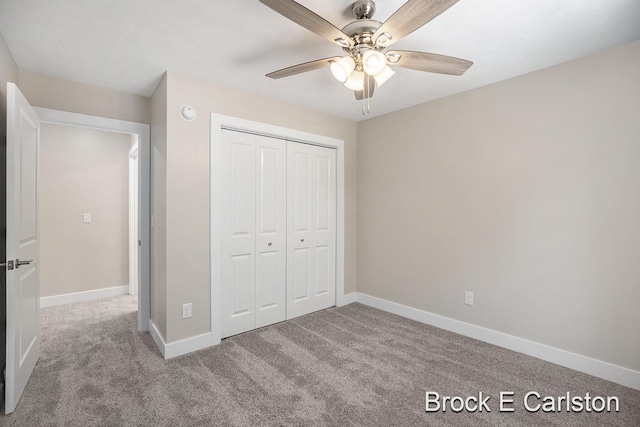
{"points": [[311, 228], [253, 231]]}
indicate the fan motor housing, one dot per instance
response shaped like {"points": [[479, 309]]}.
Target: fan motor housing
{"points": [[361, 31], [364, 9]]}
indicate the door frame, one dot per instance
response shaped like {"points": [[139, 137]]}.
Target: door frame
{"points": [[220, 122], [134, 215], [143, 131]]}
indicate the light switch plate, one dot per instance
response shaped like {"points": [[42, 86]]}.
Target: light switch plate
{"points": [[86, 218]]}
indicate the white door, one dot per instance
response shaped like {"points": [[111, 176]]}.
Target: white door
{"points": [[271, 230], [253, 226], [23, 302], [311, 229]]}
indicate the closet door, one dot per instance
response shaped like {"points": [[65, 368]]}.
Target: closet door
{"points": [[253, 231], [238, 233], [311, 228], [271, 230]]}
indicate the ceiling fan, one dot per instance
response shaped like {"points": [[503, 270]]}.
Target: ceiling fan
{"points": [[365, 41]]}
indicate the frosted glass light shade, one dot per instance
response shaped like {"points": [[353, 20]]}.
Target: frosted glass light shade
{"points": [[342, 68], [355, 81], [373, 62], [384, 75]]}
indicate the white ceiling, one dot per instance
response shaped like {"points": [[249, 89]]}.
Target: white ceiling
{"points": [[127, 45]]}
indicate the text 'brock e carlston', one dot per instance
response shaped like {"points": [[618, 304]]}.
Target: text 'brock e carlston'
{"points": [[531, 402]]}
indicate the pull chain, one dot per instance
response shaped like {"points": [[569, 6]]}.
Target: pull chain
{"points": [[366, 98]]}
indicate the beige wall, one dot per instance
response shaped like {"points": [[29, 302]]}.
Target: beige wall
{"points": [[525, 192], [159, 207], [8, 73], [188, 192], [50, 92], [83, 171]]}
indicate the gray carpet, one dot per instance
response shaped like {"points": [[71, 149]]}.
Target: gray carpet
{"points": [[346, 366]]}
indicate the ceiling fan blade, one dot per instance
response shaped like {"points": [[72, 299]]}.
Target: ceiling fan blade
{"points": [[309, 20], [303, 68], [430, 62], [367, 92], [411, 16]]}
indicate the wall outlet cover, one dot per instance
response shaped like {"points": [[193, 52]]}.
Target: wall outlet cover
{"points": [[468, 298], [187, 310]]}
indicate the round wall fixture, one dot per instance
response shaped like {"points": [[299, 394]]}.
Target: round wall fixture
{"points": [[188, 113]]}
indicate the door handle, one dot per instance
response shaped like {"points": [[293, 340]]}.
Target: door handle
{"points": [[19, 263]]}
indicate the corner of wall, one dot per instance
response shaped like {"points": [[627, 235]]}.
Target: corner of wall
{"points": [[158, 282]]}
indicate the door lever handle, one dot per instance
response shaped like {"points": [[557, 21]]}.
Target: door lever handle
{"points": [[19, 263]]}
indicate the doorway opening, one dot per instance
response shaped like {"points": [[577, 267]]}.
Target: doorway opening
{"points": [[87, 214], [110, 168]]}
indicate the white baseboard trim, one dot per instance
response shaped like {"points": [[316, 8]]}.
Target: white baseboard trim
{"points": [[597, 368], [83, 296], [349, 298], [181, 347], [157, 338]]}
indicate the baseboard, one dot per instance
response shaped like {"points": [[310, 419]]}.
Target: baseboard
{"points": [[597, 368], [181, 347], [83, 296], [349, 298], [157, 338]]}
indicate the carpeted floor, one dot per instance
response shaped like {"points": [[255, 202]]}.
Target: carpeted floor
{"points": [[348, 366]]}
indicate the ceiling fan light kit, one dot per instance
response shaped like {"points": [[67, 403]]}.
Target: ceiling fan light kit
{"points": [[384, 75], [355, 81], [365, 40], [373, 62], [342, 68]]}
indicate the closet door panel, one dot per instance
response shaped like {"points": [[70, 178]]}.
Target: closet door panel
{"points": [[271, 230], [267, 281], [322, 262], [241, 285], [238, 228], [301, 271], [323, 183], [324, 227], [311, 237], [301, 197], [267, 183]]}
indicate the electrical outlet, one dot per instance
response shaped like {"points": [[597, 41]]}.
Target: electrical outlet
{"points": [[187, 310], [86, 218], [468, 298]]}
